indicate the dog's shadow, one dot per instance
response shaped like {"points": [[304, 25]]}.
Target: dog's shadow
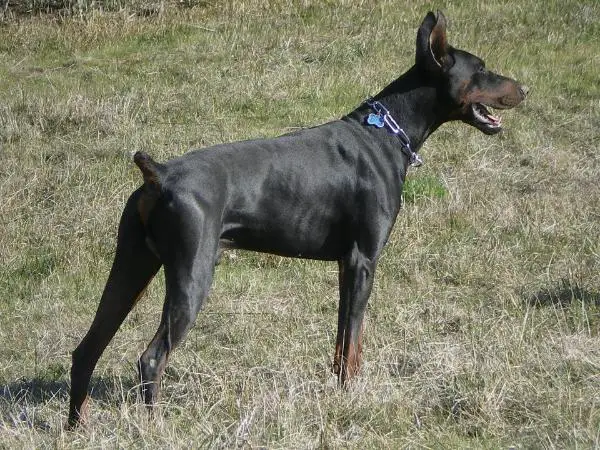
{"points": [[20, 400], [563, 295]]}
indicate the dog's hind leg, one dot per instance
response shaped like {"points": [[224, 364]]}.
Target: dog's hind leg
{"points": [[356, 278], [189, 248], [133, 267]]}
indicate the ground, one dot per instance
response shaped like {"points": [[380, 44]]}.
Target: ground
{"points": [[483, 327]]}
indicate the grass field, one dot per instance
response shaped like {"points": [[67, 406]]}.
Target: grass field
{"points": [[483, 330]]}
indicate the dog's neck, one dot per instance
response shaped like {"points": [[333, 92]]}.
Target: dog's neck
{"points": [[413, 103]]}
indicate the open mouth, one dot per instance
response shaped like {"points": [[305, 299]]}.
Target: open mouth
{"points": [[484, 119]]}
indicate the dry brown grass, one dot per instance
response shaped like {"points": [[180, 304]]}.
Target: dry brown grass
{"points": [[482, 330]]}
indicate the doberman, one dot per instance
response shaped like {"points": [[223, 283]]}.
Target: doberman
{"points": [[330, 192]]}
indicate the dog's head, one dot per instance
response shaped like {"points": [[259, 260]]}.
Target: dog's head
{"points": [[468, 89]]}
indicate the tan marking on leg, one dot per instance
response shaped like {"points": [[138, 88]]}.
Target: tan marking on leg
{"points": [[139, 296], [144, 205], [82, 416], [359, 346], [349, 365], [337, 359]]}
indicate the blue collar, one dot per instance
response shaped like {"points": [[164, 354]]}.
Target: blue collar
{"points": [[382, 118]]}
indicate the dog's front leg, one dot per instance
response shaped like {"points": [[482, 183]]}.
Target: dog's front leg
{"points": [[356, 282], [341, 324]]}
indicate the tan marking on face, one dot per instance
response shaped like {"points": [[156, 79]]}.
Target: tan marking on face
{"points": [[507, 96]]}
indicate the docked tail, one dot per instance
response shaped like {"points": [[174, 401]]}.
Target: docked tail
{"points": [[151, 170], [153, 177]]}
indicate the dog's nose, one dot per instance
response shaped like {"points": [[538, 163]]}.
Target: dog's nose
{"points": [[524, 90]]}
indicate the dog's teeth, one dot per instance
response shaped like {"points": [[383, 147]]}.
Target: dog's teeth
{"points": [[482, 114]]}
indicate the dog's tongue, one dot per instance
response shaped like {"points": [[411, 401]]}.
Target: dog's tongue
{"points": [[487, 115], [495, 119]]}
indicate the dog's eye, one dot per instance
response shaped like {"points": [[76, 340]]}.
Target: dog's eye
{"points": [[481, 69]]}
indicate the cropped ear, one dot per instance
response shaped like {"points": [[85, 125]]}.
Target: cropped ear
{"points": [[432, 44]]}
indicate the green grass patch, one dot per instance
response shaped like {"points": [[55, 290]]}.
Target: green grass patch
{"points": [[423, 187]]}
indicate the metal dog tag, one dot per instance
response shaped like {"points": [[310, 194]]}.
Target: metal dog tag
{"points": [[377, 120]]}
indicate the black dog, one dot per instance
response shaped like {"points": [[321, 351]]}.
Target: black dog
{"points": [[330, 192]]}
